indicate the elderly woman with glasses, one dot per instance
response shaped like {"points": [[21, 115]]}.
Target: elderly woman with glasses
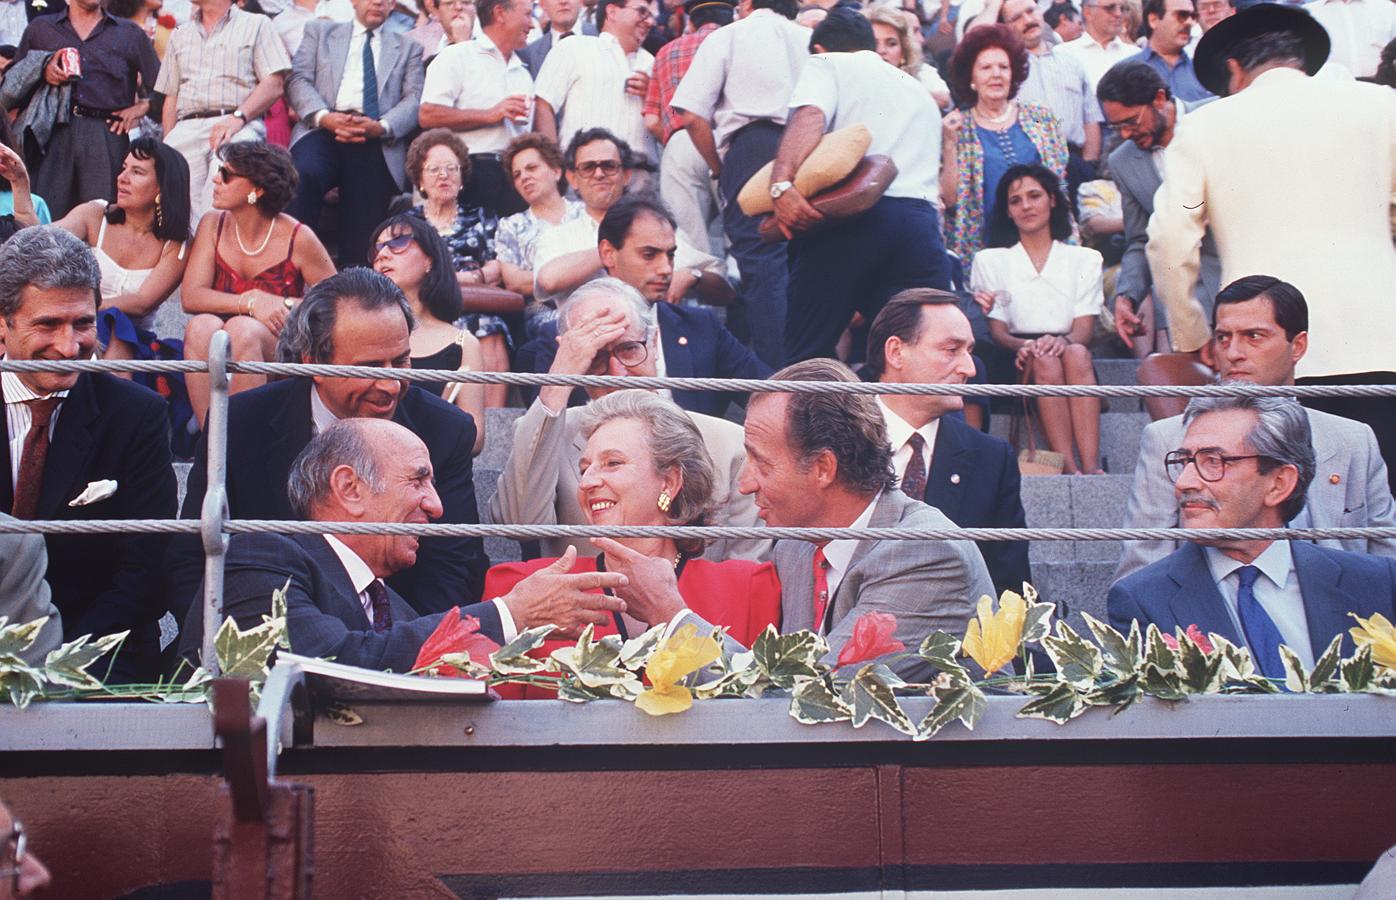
{"points": [[248, 265], [438, 162], [644, 462]]}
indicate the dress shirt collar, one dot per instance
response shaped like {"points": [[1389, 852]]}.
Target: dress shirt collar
{"points": [[359, 29], [487, 46], [320, 415], [360, 575], [838, 554], [17, 391], [899, 430], [609, 40], [198, 20], [1149, 53], [1116, 43], [1275, 562]]}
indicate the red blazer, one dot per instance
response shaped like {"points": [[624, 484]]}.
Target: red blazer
{"points": [[743, 595]]}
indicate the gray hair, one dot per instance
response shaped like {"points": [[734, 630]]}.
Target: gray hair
{"points": [[45, 256], [674, 443], [345, 443], [641, 315], [309, 329], [1281, 434]]}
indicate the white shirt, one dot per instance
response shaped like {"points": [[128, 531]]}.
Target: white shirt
{"points": [[580, 234], [743, 73], [1045, 302], [475, 75], [1097, 58], [360, 575], [351, 83], [899, 432], [18, 417], [1277, 591], [291, 26], [838, 554], [1359, 29], [860, 88], [1157, 154], [583, 80]]}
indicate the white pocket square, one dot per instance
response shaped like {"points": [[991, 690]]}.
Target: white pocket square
{"points": [[96, 490]]}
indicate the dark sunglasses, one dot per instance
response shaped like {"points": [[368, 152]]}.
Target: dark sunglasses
{"points": [[227, 174], [395, 245]]}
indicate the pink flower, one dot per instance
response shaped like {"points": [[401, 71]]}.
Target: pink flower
{"points": [[872, 637], [1194, 634], [455, 635]]}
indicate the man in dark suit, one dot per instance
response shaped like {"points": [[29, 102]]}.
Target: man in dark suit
{"points": [[562, 23], [922, 337], [357, 317], [101, 450], [1247, 463], [355, 87], [338, 604]]}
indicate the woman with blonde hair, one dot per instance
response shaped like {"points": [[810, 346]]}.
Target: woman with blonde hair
{"points": [[898, 35]]}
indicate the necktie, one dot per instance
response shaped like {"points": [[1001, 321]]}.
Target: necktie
{"points": [[382, 610], [370, 79], [31, 459], [914, 479], [1262, 637], [821, 589]]}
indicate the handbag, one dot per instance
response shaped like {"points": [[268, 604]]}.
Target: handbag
{"points": [[853, 196], [1031, 460]]}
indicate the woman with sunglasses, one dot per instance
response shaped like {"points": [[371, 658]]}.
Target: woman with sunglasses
{"points": [[438, 163], [249, 263], [413, 256]]}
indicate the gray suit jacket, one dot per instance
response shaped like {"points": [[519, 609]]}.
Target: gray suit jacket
{"points": [[539, 483], [1138, 180], [537, 51], [1349, 490], [928, 585], [318, 68], [24, 594]]}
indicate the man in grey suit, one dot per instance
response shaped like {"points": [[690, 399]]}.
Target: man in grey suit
{"points": [[823, 461], [562, 23], [356, 88], [24, 594], [1260, 332], [1138, 105]]}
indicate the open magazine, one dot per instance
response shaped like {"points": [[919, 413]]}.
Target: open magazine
{"points": [[337, 681]]}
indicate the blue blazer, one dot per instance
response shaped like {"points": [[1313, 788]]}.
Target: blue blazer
{"points": [[974, 480], [1178, 591], [696, 345], [270, 425], [323, 614]]}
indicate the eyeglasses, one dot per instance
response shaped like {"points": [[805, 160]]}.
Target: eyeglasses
{"points": [[1211, 464], [227, 175], [642, 12], [396, 245], [606, 167], [437, 171], [11, 863], [1183, 15], [628, 353], [1129, 126]]}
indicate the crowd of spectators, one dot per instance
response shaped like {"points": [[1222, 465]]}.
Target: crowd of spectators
{"points": [[495, 186]]}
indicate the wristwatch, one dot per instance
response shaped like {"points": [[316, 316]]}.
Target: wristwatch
{"points": [[780, 187], [239, 114], [697, 274]]}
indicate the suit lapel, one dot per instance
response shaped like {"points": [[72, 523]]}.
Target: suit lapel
{"points": [[338, 41], [678, 357], [348, 608], [1145, 177], [1326, 603], [797, 586], [1322, 492], [886, 514], [952, 465], [387, 58], [1197, 600], [71, 447], [7, 487]]}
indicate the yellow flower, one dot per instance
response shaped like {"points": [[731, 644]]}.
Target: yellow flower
{"points": [[682, 654], [992, 639], [1381, 634]]}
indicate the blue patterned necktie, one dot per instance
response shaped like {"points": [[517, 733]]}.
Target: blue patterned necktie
{"points": [[914, 479], [1262, 637], [381, 606], [370, 79]]}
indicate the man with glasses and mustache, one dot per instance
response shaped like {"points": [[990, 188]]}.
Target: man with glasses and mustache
{"points": [[606, 328], [600, 82], [1101, 46], [1168, 23], [1247, 463]]}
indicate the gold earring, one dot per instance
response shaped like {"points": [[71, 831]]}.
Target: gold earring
{"points": [[664, 502], [251, 198], [159, 214]]}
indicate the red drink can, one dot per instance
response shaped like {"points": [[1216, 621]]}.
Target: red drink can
{"points": [[70, 62]]}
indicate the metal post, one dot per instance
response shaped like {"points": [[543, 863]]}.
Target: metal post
{"points": [[215, 509]]}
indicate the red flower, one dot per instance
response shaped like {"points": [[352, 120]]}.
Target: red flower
{"points": [[455, 635], [1193, 634], [872, 637], [167, 21]]}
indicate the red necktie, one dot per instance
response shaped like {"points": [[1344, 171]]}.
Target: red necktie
{"points": [[914, 479], [382, 609], [32, 456], [821, 588]]}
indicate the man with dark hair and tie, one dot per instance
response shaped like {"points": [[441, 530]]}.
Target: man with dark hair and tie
{"points": [[89, 446], [355, 87], [1247, 462], [922, 337]]}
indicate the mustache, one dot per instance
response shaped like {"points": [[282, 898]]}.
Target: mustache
{"points": [[1195, 497]]}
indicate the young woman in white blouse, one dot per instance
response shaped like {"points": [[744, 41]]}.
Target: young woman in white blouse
{"points": [[1042, 297]]}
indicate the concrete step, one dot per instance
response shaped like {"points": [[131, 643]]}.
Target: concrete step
{"points": [[1119, 438], [499, 437], [1075, 501], [1082, 586]]}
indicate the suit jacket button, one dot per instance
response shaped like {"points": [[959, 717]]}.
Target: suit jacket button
{"points": [[955, 479], [1334, 478]]}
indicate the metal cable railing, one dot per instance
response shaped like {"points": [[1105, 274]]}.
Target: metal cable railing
{"points": [[215, 525]]}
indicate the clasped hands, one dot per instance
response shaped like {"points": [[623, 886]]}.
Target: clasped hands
{"points": [[1049, 345], [350, 127]]}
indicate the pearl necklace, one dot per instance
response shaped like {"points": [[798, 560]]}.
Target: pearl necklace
{"points": [[1008, 113], [237, 233]]}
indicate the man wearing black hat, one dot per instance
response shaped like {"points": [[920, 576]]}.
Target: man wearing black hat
{"points": [[1294, 176]]}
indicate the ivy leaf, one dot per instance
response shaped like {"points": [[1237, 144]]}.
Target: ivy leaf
{"points": [[513, 658], [940, 650], [1295, 680], [1326, 666], [244, 654], [341, 714], [68, 664], [278, 616], [193, 690], [1037, 624], [573, 692], [1119, 694], [1121, 655], [787, 658], [594, 662], [20, 636], [1358, 671], [1199, 672], [1078, 661], [957, 700], [1061, 704], [22, 683], [813, 701], [870, 693], [1157, 653], [635, 652], [732, 683], [1161, 683]]}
